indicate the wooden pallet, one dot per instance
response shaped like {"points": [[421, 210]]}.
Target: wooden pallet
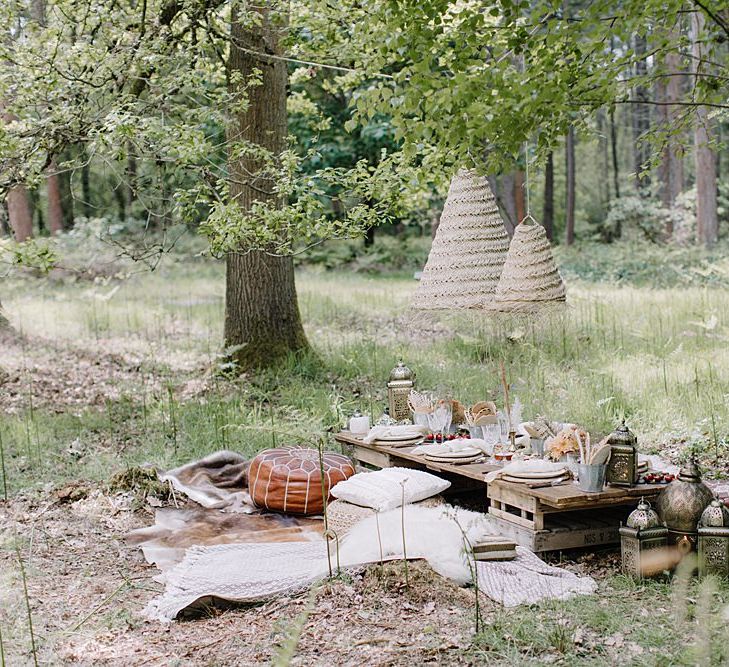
{"points": [[562, 517], [545, 519]]}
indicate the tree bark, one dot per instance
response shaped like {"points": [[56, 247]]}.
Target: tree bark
{"points": [[262, 319], [53, 198], [502, 188], [614, 151], [20, 216], [670, 169], [548, 210], [641, 121], [707, 222], [570, 175], [519, 206], [86, 205]]}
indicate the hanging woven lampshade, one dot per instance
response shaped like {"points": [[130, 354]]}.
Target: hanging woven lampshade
{"points": [[468, 251], [530, 278]]}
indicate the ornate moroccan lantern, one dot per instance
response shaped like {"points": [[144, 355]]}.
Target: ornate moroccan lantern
{"points": [[681, 504], [714, 540], [641, 533], [402, 380], [622, 467]]}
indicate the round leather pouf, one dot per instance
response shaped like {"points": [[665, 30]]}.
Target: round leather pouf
{"points": [[289, 479]]}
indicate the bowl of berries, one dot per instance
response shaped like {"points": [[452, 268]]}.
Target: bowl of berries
{"points": [[656, 477]]}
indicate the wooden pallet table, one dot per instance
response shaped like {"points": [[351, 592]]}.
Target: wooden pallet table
{"points": [[463, 477], [546, 519], [563, 517]]}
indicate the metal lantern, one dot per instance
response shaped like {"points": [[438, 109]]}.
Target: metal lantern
{"points": [[622, 467], [681, 504], [642, 533], [402, 380], [714, 540]]}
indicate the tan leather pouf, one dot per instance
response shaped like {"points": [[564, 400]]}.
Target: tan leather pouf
{"points": [[289, 479]]}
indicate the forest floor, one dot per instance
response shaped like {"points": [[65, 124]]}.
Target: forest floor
{"points": [[117, 373]]}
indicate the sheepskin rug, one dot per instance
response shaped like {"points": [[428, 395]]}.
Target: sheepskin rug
{"points": [[440, 535]]}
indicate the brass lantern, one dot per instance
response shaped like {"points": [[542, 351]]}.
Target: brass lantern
{"points": [[681, 504], [622, 469], [714, 540], [642, 533], [402, 380]]}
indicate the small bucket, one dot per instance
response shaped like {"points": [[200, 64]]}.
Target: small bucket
{"points": [[591, 478]]}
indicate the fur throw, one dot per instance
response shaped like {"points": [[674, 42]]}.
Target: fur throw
{"points": [[438, 534]]}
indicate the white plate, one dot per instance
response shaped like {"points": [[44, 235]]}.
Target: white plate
{"points": [[464, 453], [438, 459], [525, 480], [544, 474], [410, 435]]}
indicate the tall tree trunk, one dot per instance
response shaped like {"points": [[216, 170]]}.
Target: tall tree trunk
{"points": [[614, 152], [503, 190], [67, 204], [707, 222], [548, 210], [570, 175], [602, 147], [20, 216], [262, 319], [86, 205], [670, 169], [519, 206], [53, 198], [641, 120]]}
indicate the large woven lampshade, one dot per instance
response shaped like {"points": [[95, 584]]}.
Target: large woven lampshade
{"points": [[530, 279], [468, 251]]}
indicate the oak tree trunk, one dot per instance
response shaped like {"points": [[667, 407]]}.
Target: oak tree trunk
{"points": [[570, 175], [548, 210], [262, 319], [707, 223]]}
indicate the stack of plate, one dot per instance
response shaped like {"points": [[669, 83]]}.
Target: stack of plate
{"points": [[402, 438], [534, 477], [465, 455]]}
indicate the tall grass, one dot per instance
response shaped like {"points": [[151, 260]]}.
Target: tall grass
{"points": [[659, 357]]}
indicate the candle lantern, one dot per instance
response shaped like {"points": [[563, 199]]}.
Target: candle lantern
{"points": [[642, 533], [401, 382], [681, 504], [622, 469], [714, 540]]}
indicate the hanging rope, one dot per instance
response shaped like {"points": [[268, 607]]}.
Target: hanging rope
{"points": [[528, 216]]}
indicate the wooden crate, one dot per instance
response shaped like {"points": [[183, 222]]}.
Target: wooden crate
{"points": [[562, 517]]}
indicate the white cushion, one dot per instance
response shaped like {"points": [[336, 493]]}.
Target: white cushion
{"points": [[383, 490]]}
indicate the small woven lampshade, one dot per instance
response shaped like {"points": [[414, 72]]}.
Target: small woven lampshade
{"points": [[530, 279], [469, 249]]}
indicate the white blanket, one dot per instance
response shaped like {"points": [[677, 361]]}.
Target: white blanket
{"points": [[248, 572]]}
